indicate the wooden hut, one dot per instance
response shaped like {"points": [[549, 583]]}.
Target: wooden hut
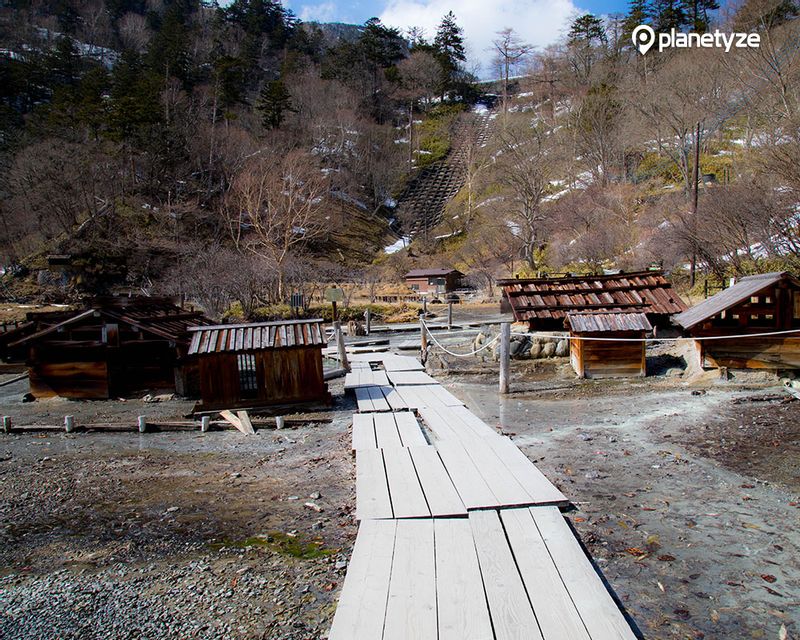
{"points": [[260, 364], [601, 356], [433, 281], [115, 347], [543, 303], [759, 304]]}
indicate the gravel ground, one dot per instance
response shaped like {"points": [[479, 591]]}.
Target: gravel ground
{"points": [[174, 535]]}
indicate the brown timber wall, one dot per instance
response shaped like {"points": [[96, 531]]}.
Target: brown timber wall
{"points": [[608, 359], [752, 353]]}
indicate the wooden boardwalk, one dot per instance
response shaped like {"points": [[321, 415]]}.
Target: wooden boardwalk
{"points": [[460, 535]]}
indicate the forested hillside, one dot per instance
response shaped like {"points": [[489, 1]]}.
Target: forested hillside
{"points": [[237, 154]]}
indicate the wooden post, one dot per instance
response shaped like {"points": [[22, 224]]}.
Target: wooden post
{"points": [[369, 320], [7, 424], [142, 424], [423, 341], [424, 305], [337, 330], [335, 313], [69, 423], [449, 315], [279, 422], [505, 355], [205, 423]]}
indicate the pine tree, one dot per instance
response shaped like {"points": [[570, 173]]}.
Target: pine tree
{"points": [[697, 13], [449, 45], [637, 14], [668, 14], [587, 30], [273, 103]]}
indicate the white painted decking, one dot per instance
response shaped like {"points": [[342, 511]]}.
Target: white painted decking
{"points": [[460, 537]]}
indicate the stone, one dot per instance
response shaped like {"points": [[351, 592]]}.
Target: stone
{"points": [[536, 350], [562, 348], [549, 350]]}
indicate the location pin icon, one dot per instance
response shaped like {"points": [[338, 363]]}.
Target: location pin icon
{"points": [[643, 37]]}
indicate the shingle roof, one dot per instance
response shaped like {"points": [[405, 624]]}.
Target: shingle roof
{"points": [[424, 273], [256, 336], [730, 297], [608, 322], [553, 298]]}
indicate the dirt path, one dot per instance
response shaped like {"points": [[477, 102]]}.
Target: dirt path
{"points": [[694, 547]]}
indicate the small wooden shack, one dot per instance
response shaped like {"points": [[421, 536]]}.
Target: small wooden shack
{"points": [[543, 303], [115, 347], [601, 356], [260, 364], [760, 304], [433, 281]]}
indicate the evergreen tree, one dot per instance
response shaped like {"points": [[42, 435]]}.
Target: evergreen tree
{"points": [[668, 14], [449, 46], [586, 30], [274, 102], [637, 14], [697, 13]]}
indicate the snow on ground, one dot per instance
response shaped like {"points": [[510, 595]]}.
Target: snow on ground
{"points": [[401, 244]]}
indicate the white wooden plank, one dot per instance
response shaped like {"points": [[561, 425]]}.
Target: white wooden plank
{"points": [[500, 480], [236, 422], [552, 604], [445, 397], [595, 605], [461, 603], [408, 500], [247, 426], [411, 608], [393, 362], [469, 483], [511, 611], [364, 400], [364, 431], [409, 429], [440, 493], [378, 401], [473, 422], [361, 611], [386, 431], [372, 490], [410, 377], [440, 427], [395, 400], [527, 474]]}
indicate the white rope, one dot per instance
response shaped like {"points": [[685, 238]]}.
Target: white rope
{"points": [[459, 355]]}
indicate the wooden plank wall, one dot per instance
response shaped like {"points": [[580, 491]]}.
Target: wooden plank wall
{"points": [[608, 359], [770, 353]]}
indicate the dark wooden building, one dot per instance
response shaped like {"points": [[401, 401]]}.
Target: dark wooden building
{"points": [[608, 358], [435, 282], [759, 304], [545, 302], [260, 364], [115, 347]]}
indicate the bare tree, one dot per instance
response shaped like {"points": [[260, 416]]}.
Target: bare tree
{"points": [[510, 54], [275, 206], [134, 31]]}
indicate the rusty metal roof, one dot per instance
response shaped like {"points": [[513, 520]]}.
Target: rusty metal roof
{"points": [[256, 336], [730, 297], [553, 298], [608, 322]]}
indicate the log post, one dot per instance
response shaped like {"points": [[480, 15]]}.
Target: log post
{"points": [[423, 341], [449, 315], [425, 305], [505, 355], [369, 320], [205, 423], [337, 330], [69, 423], [142, 424], [7, 424]]}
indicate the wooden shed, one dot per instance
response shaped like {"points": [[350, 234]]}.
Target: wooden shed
{"points": [[545, 302], [602, 354], [260, 364], [114, 348], [433, 281], [755, 305]]}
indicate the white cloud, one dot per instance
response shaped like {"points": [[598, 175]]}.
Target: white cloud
{"points": [[539, 22], [323, 12]]}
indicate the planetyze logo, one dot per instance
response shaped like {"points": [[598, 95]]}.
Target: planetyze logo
{"points": [[644, 37]]}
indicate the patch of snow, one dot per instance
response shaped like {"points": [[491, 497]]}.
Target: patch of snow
{"points": [[401, 244]]}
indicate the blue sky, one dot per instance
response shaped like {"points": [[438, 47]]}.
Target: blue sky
{"points": [[538, 22]]}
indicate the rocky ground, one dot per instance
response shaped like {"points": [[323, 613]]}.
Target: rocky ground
{"points": [[173, 535]]}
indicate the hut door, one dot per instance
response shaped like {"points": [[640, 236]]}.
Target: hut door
{"points": [[248, 381]]}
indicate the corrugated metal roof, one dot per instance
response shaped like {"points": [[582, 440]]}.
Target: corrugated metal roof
{"points": [[553, 298], [608, 322], [424, 273], [256, 336], [730, 297]]}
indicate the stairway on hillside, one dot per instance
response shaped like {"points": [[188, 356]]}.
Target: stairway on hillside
{"points": [[421, 205]]}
